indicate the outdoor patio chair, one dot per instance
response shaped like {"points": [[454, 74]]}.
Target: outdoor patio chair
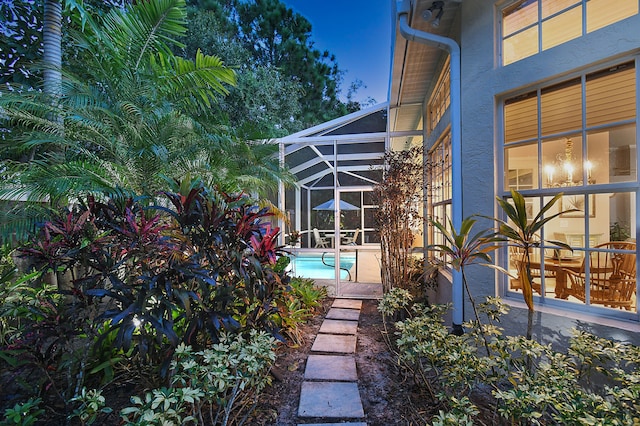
{"points": [[320, 241], [612, 278], [350, 239]]}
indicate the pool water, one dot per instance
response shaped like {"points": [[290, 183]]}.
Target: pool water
{"points": [[311, 266]]}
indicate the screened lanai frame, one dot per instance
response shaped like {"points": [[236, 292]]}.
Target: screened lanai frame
{"points": [[341, 161], [337, 164]]}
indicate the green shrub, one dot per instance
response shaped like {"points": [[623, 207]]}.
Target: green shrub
{"points": [[214, 386], [92, 403], [596, 381], [139, 280], [309, 294], [300, 304], [23, 414]]}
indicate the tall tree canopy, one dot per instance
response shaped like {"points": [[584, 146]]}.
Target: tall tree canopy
{"points": [[21, 46], [21, 28], [132, 117], [284, 84], [282, 79], [281, 38]]}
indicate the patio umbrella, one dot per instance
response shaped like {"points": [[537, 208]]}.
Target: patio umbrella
{"points": [[331, 205]]}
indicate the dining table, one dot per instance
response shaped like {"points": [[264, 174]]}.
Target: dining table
{"points": [[560, 265]]}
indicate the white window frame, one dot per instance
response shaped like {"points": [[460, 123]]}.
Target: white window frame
{"points": [[541, 21], [539, 193]]}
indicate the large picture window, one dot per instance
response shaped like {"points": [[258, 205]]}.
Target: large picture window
{"points": [[579, 137], [531, 26]]}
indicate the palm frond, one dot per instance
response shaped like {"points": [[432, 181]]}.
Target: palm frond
{"points": [[20, 219], [194, 83], [145, 28]]}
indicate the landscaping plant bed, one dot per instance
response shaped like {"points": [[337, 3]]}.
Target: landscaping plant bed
{"points": [[388, 398]]}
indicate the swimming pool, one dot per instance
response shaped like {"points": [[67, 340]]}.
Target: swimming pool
{"points": [[310, 265]]}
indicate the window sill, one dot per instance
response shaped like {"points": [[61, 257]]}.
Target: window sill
{"points": [[627, 325]]}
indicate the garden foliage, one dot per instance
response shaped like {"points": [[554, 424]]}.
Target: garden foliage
{"points": [[133, 280], [398, 215], [520, 381]]}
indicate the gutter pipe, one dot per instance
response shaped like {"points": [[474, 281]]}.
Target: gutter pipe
{"points": [[452, 47]]}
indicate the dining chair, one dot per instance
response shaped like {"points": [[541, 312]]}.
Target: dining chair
{"points": [[320, 241], [536, 273], [612, 276]]}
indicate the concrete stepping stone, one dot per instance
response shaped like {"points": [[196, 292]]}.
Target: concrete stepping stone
{"points": [[343, 314], [333, 424], [330, 400], [336, 343], [331, 326], [331, 367], [347, 303]]}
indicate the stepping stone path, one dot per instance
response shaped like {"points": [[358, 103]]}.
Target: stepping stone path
{"points": [[330, 388]]}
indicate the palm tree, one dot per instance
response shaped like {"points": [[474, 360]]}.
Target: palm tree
{"points": [[133, 114], [52, 41]]}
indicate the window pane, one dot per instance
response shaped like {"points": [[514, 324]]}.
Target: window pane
{"points": [[569, 227], [551, 7], [440, 99], [611, 155], [440, 171], [521, 164], [615, 219], [601, 13], [521, 118], [519, 16], [561, 108], [562, 28], [615, 216], [611, 96], [520, 46], [516, 255], [562, 162]]}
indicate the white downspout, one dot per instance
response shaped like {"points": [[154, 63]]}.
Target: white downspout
{"points": [[449, 45]]}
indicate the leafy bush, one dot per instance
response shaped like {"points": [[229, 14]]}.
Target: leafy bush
{"points": [[167, 275], [309, 294], [298, 306], [23, 414], [136, 278], [92, 403], [520, 381], [214, 386]]}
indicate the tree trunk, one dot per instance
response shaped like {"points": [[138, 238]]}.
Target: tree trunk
{"points": [[52, 40], [52, 56]]}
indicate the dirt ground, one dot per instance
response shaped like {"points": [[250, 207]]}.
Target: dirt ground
{"points": [[387, 397]]}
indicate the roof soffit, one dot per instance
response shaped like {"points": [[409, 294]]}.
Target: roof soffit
{"points": [[415, 65]]}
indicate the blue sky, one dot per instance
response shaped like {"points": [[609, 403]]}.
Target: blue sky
{"points": [[358, 33]]}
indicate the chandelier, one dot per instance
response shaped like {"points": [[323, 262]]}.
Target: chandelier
{"points": [[561, 172]]}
